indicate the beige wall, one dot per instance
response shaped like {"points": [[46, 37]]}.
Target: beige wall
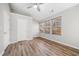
{"points": [[70, 26]]}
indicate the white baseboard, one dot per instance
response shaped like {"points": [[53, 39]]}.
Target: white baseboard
{"points": [[64, 43]]}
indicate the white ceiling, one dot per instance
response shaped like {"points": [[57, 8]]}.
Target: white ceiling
{"points": [[45, 8]]}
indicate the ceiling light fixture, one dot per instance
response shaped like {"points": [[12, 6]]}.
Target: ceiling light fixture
{"points": [[35, 6]]}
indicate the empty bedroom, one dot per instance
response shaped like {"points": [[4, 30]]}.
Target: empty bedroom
{"points": [[39, 29]]}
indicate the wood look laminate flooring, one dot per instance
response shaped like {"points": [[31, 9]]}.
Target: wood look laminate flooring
{"points": [[39, 47]]}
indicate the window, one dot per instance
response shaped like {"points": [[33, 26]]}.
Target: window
{"points": [[56, 25]]}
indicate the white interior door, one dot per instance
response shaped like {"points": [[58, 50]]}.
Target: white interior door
{"points": [[23, 29], [4, 26]]}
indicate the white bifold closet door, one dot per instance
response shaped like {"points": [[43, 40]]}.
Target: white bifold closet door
{"points": [[21, 27], [24, 29]]}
